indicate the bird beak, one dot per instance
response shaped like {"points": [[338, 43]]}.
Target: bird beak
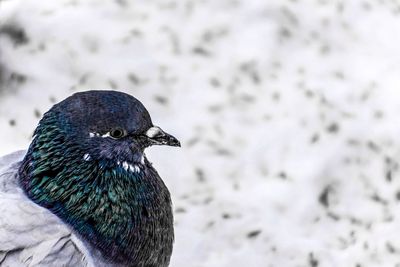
{"points": [[157, 136]]}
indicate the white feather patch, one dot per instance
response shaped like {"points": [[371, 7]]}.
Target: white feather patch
{"points": [[134, 168], [106, 135], [125, 165], [87, 157]]}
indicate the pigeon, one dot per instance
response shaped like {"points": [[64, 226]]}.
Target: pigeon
{"points": [[84, 193]]}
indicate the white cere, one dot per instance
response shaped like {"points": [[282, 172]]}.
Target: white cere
{"points": [[153, 131], [86, 157]]}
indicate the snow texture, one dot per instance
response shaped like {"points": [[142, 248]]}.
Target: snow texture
{"points": [[288, 113]]}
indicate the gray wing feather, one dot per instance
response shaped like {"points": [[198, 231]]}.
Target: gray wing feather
{"points": [[29, 234]]}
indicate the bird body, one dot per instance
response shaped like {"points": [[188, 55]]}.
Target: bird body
{"points": [[87, 179]]}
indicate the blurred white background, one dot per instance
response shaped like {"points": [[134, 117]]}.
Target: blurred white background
{"points": [[288, 113]]}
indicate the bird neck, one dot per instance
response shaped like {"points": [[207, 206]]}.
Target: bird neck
{"points": [[123, 216]]}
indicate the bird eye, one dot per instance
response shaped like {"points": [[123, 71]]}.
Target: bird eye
{"points": [[117, 133]]}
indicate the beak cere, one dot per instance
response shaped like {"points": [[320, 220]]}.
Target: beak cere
{"points": [[159, 137]]}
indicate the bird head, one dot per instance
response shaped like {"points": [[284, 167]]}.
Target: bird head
{"points": [[107, 126]]}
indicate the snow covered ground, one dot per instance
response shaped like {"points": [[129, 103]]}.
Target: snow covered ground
{"points": [[288, 112]]}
